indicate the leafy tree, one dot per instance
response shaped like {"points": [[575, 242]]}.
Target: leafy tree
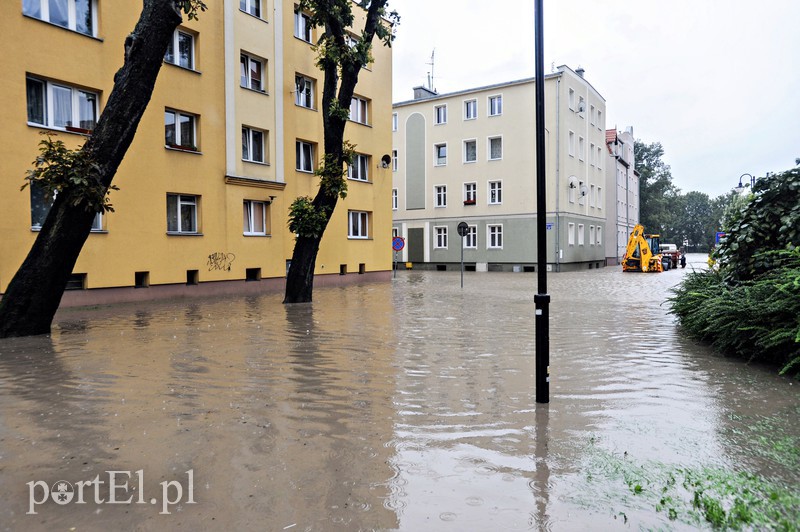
{"points": [[341, 61], [657, 194], [83, 179]]}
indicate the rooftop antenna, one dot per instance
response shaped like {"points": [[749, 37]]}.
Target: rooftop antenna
{"points": [[430, 74]]}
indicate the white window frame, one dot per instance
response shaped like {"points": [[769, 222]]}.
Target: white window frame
{"points": [[599, 235], [470, 109], [591, 235], [304, 162], [581, 146], [174, 58], [246, 62], [394, 199], [394, 160], [440, 196], [495, 192], [599, 197], [470, 193], [40, 202], [77, 98], [359, 170], [571, 98], [591, 196], [251, 7], [440, 114], [361, 108], [358, 225], [249, 217], [302, 26], [599, 119], [571, 144], [489, 141], [306, 96], [181, 201], [571, 234], [494, 236], [581, 235], [249, 139], [394, 121], [591, 114], [180, 142], [591, 154], [440, 237], [495, 105], [440, 154], [40, 9], [474, 142], [471, 238]]}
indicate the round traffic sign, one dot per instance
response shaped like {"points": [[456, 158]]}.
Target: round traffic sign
{"points": [[463, 229], [398, 243]]}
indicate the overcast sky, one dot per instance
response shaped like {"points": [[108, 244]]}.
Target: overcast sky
{"points": [[717, 83]]}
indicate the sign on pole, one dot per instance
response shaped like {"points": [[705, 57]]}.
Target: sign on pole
{"points": [[398, 243]]}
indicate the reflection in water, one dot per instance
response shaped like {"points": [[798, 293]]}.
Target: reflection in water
{"points": [[407, 405]]}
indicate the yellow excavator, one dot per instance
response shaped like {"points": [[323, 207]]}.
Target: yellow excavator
{"points": [[643, 253]]}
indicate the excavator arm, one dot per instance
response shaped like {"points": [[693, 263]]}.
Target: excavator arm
{"points": [[639, 256]]}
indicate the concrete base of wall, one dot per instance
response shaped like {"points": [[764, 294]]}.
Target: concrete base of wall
{"points": [[505, 267], [110, 296]]}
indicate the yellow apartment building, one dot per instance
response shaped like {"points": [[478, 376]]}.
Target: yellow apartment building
{"points": [[231, 136]]}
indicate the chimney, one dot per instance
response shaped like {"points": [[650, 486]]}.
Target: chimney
{"points": [[422, 93], [579, 71]]}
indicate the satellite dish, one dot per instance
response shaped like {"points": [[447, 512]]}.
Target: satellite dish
{"points": [[386, 160], [584, 190]]}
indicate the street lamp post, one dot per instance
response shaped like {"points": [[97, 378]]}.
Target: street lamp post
{"points": [[740, 186]]}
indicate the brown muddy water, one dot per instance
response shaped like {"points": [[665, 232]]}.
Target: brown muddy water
{"points": [[407, 405]]}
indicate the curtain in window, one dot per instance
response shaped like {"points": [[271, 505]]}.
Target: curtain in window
{"points": [[496, 148], [62, 106], [32, 8], [185, 50], [243, 71], [83, 16], [59, 12], [471, 151], [35, 90], [87, 110], [187, 131], [245, 144], [258, 217], [188, 216], [258, 146], [172, 212], [255, 75], [169, 128], [40, 204]]}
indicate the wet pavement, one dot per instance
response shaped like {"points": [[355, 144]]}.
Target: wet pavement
{"points": [[406, 405]]}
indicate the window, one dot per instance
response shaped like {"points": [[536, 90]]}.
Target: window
{"points": [[302, 26], [599, 197], [251, 73], [440, 114], [60, 106], [40, 206], [181, 213], [304, 152], [359, 170], [591, 235], [470, 109], [253, 145], [580, 234], [495, 192], [599, 119], [439, 154], [394, 199], [183, 42], [394, 160], [470, 193], [471, 238], [441, 237], [495, 148], [358, 110], [591, 197], [573, 186], [470, 151], [599, 158], [572, 99], [394, 121], [76, 15], [591, 114], [179, 130], [494, 236], [592, 153], [581, 149], [358, 224], [440, 195], [304, 91], [251, 6], [571, 234], [255, 217], [599, 235], [571, 144], [495, 105]]}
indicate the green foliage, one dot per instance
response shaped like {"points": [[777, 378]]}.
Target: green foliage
{"points": [[191, 7], [60, 170], [657, 194], [332, 173], [305, 219]]}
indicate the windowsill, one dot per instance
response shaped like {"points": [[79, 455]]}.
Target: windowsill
{"points": [[500, 159], [62, 27], [491, 116], [181, 233], [304, 107], [257, 91], [470, 202], [257, 234], [439, 165], [359, 123], [183, 67], [358, 238], [182, 149], [253, 16], [359, 180], [38, 228], [255, 162], [66, 129], [494, 203], [303, 40], [471, 162], [304, 171]]}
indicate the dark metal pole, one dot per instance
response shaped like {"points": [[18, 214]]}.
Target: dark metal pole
{"points": [[542, 298], [462, 262]]}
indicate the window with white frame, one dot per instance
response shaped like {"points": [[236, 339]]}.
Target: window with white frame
{"points": [[357, 224], [181, 49], [251, 72], [40, 207], [304, 156], [591, 114], [253, 143], [440, 114], [571, 144], [591, 235], [394, 199], [495, 105], [359, 169], [599, 197], [600, 119], [471, 238], [57, 105], [591, 154], [439, 154], [180, 129], [580, 234], [571, 234], [495, 192], [302, 26], [255, 217], [358, 110], [440, 195], [394, 160], [591, 196], [181, 213], [304, 91], [495, 148], [581, 148], [470, 193], [470, 109], [441, 237], [599, 158], [76, 15], [599, 235], [571, 99], [394, 121], [251, 6], [494, 236], [470, 151]]}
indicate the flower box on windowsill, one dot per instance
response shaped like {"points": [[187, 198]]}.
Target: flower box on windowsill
{"points": [[80, 130], [469, 202], [192, 149]]}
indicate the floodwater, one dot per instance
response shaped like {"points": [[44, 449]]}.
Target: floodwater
{"points": [[407, 405]]}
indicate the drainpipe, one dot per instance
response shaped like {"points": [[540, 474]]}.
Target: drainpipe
{"points": [[558, 170]]}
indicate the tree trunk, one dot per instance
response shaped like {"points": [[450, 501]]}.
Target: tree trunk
{"points": [[35, 291]]}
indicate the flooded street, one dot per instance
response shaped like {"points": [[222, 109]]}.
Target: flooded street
{"points": [[407, 405]]}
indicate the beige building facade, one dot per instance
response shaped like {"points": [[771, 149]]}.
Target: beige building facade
{"points": [[623, 205]]}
